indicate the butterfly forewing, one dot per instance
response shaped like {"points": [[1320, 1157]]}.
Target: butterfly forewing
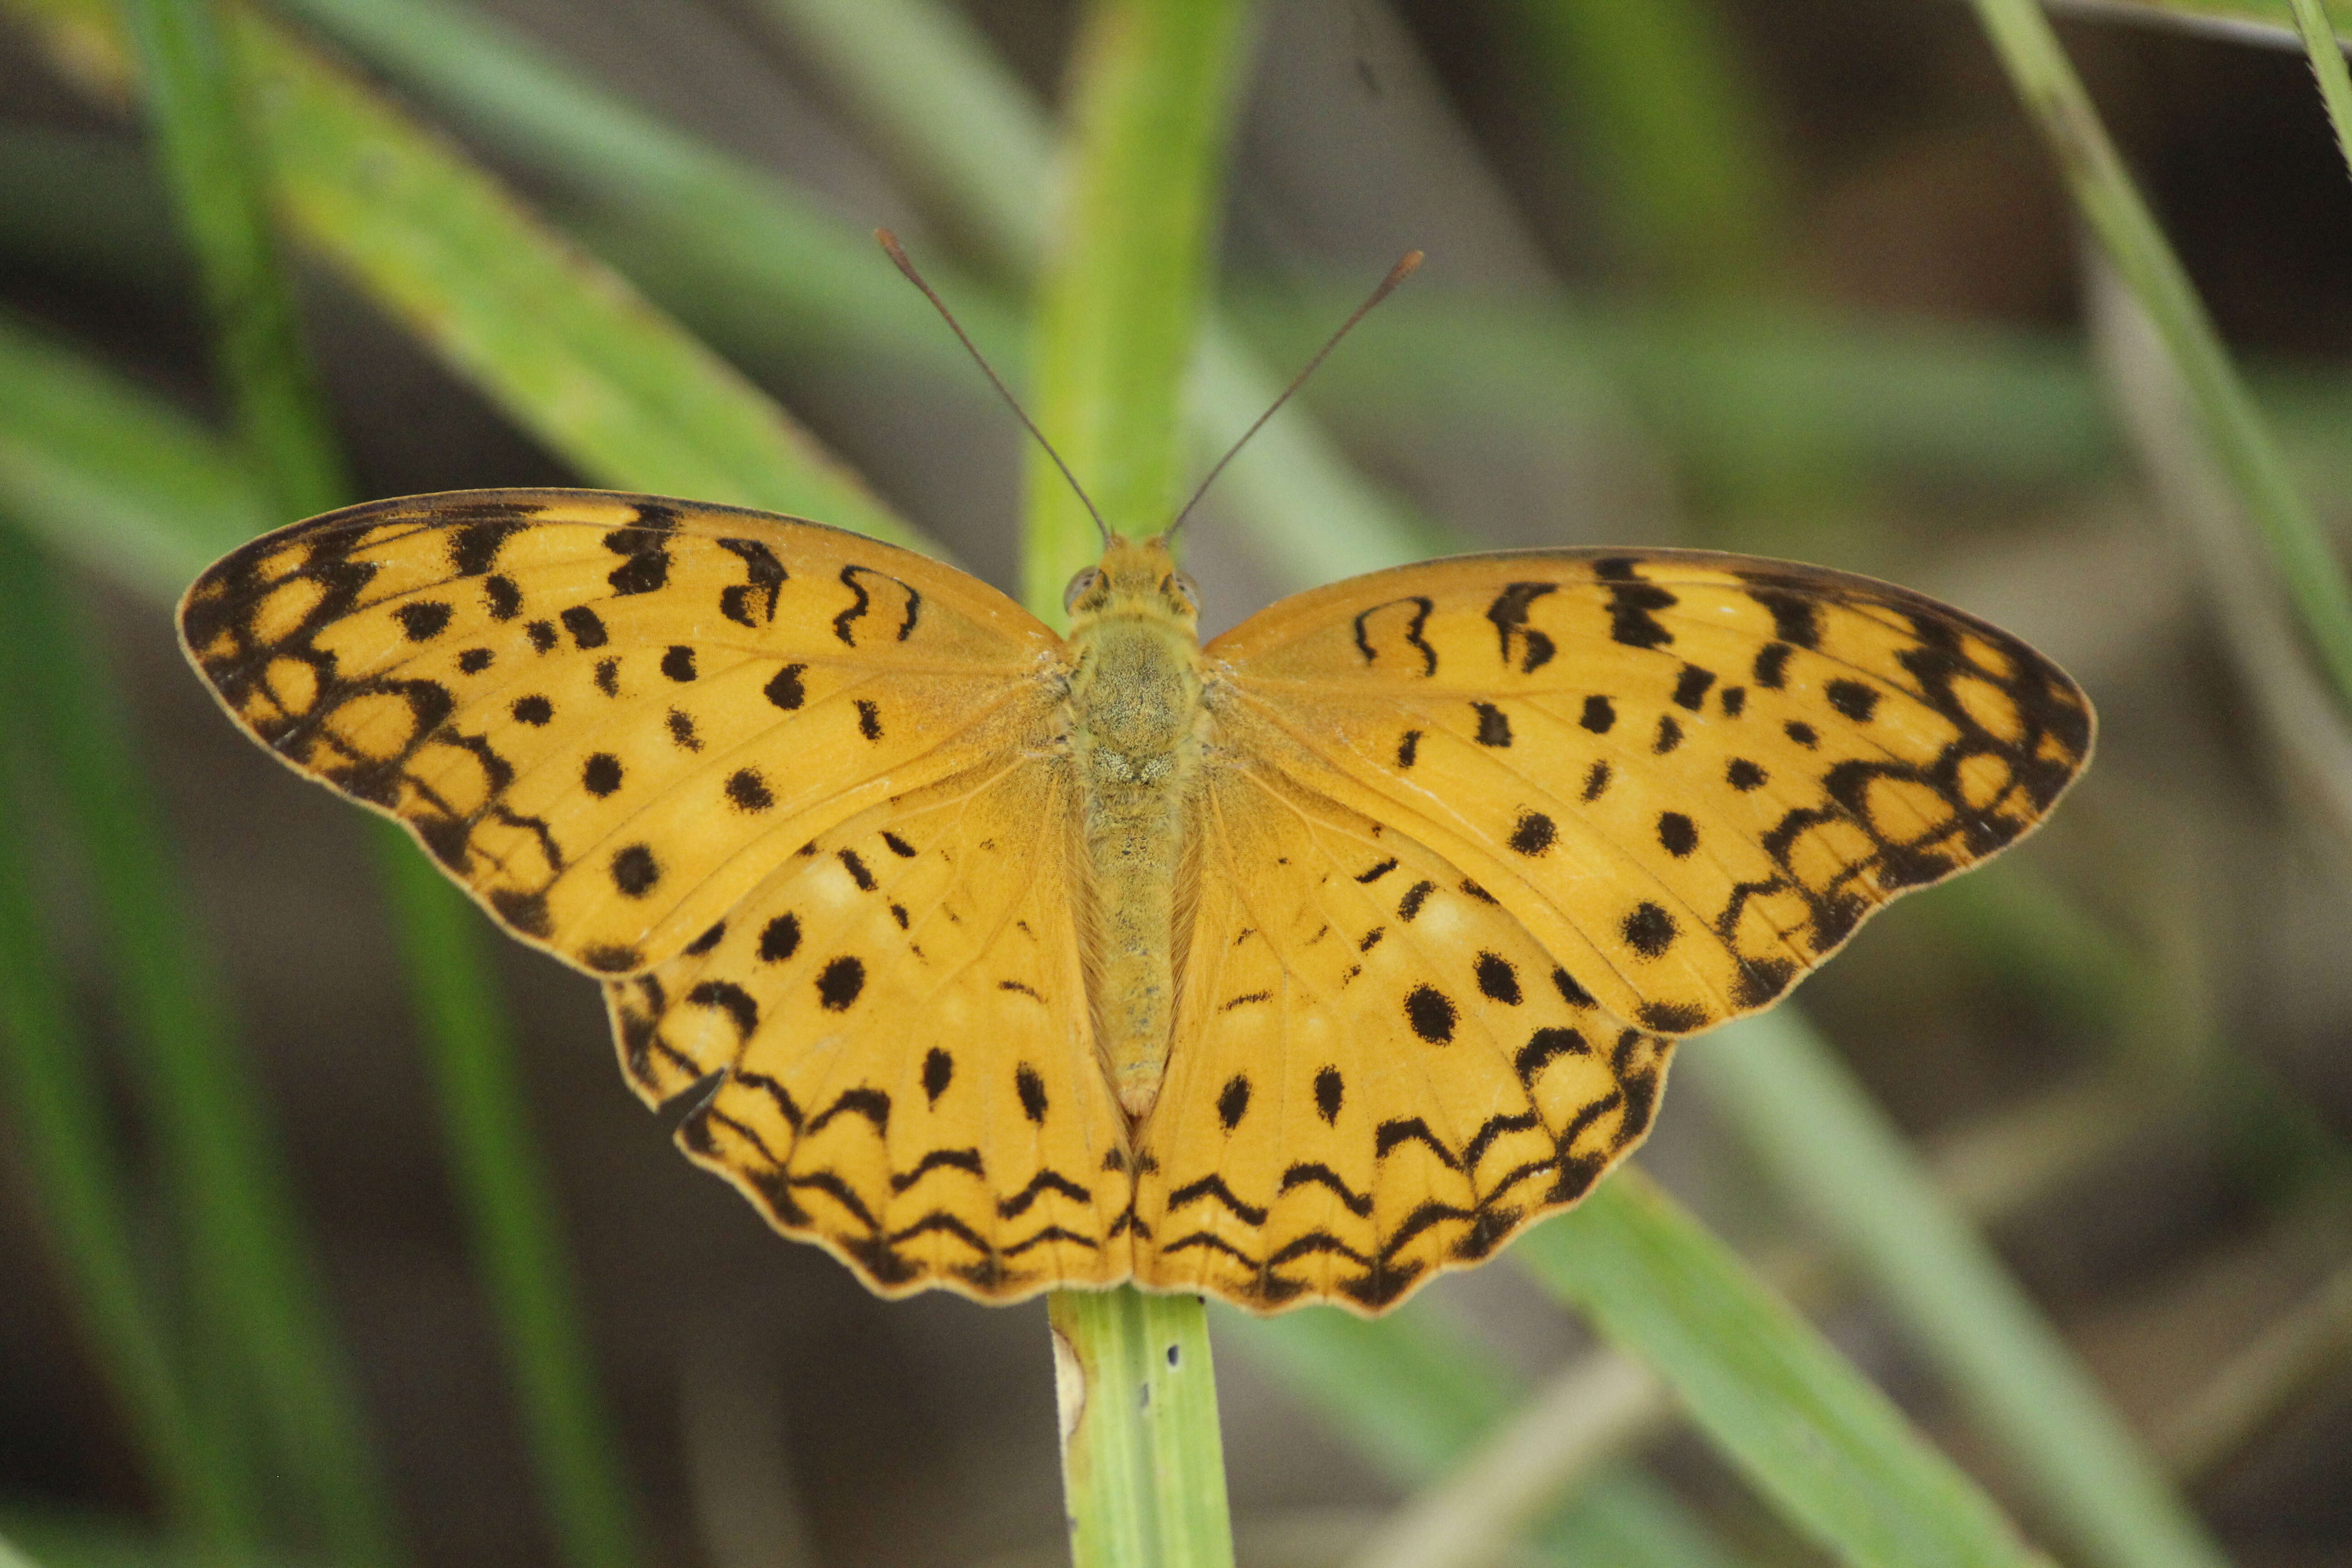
{"points": [[1689, 775], [609, 716]]}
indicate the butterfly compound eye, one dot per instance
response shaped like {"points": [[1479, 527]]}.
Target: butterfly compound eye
{"points": [[1184, 590], [1082, 585]]}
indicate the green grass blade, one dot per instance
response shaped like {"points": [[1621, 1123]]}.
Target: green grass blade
{"points": [[60, 1108], [2266, 20], [1823, 1444], [1143, 1478], [111, 476], [2243, 447], [1310, 517], [195, 100], [1653, 95], [1120, 301], [508, 1197], [226, 216], [251, 1262], [1772, 1076], [561, 344], [2327, 51], [732, 246], [1416, 1396], [250, 1259]]}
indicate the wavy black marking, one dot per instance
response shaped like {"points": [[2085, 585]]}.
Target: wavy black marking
{"points": [[1510, 614], [1423, 608]]}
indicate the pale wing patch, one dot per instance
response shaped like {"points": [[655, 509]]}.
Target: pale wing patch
{"points": [[907, 1069], [1377, 1074]]}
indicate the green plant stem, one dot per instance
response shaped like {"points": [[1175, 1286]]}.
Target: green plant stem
{"points": [[2111, 203], [509, 1204], [194, 106], [1142, 1459], [2000, 1359], [53, 1085], [2327, 65], [1119, 305], [1143, 1468]]}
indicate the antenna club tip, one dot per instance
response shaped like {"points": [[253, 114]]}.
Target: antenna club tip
{"points": [[1411, 264]]}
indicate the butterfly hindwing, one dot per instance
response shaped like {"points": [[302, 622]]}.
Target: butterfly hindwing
{"points": [[906, 1070], [608, 716], [1378, 1073], [1690, 776]]}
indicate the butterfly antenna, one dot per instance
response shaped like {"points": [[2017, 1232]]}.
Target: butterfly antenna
{"points": [[1405, 268], [897, 253]]}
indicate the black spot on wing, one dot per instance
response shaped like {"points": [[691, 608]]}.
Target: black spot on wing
{"points": [[938, 1071], [1771, 668], [1574, 995], [748, 792], [475, 661], [1031, 1088], [1852, 699], [645, 568], [1331, 1091], [839, 984], [634, 870], [1649, 930], [1432, 1014], [730, 998], [780, 938], [423, 620], [1233, 1101], [1494, 724], [1677, 834], [501, 597], [678, 662], [599, 776], [1596, 782], [1600, 714], [587, 631], [1534, 832], [1690, 687], [784, 688], [1498, 981]]}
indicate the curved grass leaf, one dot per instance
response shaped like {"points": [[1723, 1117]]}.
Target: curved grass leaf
{"points": [[1816, 1437]]}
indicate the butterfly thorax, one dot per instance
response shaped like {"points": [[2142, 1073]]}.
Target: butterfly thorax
{"points": [[1136, 737]]}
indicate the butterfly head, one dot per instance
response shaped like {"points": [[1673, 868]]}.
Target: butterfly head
{"points": [[1135, 579]]}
